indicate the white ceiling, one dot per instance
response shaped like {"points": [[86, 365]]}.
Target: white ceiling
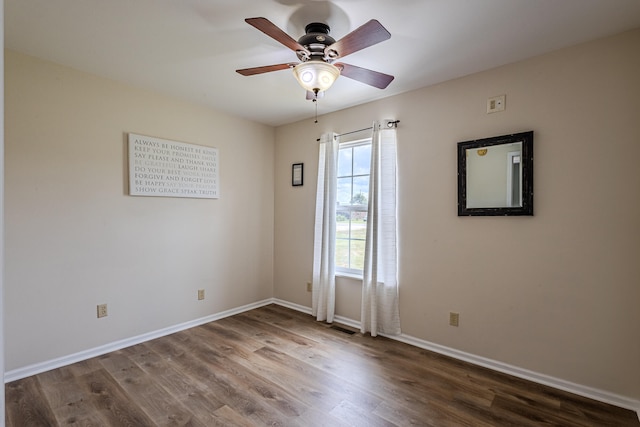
{"points": [[191, 48]]}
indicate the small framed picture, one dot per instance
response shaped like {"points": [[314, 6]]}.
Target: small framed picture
{"points": [[297, 174]]}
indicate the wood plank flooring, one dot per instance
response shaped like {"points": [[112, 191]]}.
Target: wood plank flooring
{"points": [[278, 367]]}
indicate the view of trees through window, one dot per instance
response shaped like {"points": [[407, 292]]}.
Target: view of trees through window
{"points": [[351, 211]]}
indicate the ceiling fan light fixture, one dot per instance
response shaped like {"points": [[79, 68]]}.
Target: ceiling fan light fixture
{"points": [[316, 76]]}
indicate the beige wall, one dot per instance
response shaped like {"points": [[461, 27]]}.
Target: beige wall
{"points": [[2, 216], [75, 239], [556, 293]]}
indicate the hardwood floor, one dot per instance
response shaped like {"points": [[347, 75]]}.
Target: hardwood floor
{"points": [[275, 366]]}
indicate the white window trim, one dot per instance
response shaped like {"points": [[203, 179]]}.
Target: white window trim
{"points": [[355, 275], [354, 143]]}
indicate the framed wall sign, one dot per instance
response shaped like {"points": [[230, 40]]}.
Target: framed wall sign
{"points": [[297, 174], [164, 168]]}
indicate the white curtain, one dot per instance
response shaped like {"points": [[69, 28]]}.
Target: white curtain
{"points": [[324, 276], [380, 283]]}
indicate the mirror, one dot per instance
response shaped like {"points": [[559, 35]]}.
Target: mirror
{"points": [[495, 176]]}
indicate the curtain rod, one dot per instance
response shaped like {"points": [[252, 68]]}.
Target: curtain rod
{"points": [[388, 123]]}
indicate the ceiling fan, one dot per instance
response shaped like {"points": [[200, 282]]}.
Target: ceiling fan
{"points": [[317, 51]]}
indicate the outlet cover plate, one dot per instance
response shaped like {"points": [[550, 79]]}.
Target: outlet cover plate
{"points": [[102, 310], [454, 319]]}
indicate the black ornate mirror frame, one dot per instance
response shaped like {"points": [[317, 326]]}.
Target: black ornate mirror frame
{"points": [[527, 175]]}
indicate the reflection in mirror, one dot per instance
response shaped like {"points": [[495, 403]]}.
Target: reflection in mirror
{"points": [[495, 176]]}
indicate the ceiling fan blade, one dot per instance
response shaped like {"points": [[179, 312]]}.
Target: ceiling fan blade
{"points": [[364, 75], [264, 69], [367, 35], [270, 29]]}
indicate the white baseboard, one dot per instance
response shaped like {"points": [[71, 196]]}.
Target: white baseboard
{"points": [[293, 306], [581, 390], [38, 368]]}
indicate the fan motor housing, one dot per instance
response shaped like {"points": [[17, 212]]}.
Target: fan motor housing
{"points": [[316, 39]]}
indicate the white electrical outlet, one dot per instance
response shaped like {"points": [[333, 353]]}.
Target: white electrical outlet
{"points": [[454, 319], [309, 288], [200, 294], [102, 310]]}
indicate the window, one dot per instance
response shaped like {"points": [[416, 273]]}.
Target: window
{"points": [[354, 161]]}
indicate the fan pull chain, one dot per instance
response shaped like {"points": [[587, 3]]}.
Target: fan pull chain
{"points": [[315, 101]]}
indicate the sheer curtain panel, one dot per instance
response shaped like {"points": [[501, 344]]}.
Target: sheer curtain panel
{"points": [[324, 276], [380, 311]]}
